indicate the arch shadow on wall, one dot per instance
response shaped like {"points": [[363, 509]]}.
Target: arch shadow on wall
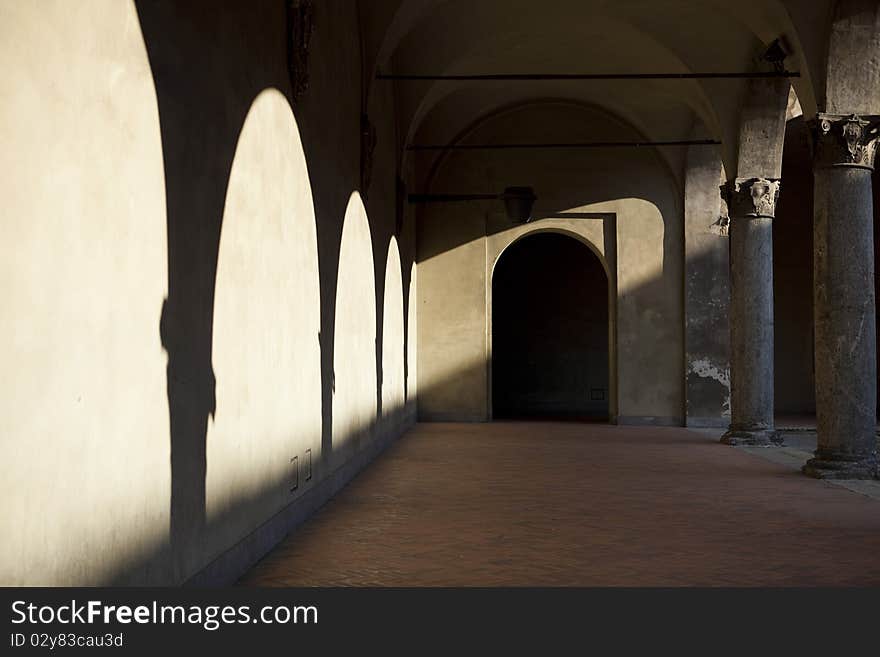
{"points": [[207, 75], [606, 257], [206, 81]]}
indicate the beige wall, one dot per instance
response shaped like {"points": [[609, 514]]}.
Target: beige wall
{"points": [[84, 425], [459, 243], [184, 312]]}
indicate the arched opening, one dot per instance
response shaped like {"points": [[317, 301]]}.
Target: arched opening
{"points": [[550, 347], [794, 369]]}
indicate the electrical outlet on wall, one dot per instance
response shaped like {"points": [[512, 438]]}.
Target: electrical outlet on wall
{"points": [[294, 473], [307, 464]]}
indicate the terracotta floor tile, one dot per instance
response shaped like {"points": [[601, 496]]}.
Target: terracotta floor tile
{"points": [[578, 504]]}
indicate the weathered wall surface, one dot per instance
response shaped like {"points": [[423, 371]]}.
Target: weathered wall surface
{"points": [[455, 258], [853, 76], [172, 254], [707, 291]]}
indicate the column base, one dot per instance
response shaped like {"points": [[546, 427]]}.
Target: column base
{"points": [[752, 437], [831, 467]]}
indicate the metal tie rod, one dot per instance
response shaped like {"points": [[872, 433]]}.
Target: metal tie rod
{"points": [[450, 198], [592, 76], [584, 144]]}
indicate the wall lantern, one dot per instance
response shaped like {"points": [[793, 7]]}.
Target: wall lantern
{"points": [[518, 201]]}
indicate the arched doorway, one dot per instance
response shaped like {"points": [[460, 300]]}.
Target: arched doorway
{"points": [[550, 346]]}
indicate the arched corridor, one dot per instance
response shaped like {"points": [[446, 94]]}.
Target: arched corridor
{"points": [[568, 291], [550, 345]]}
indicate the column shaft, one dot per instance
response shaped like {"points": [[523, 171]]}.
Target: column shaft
{"points": [[844, 304], [751, 312]]}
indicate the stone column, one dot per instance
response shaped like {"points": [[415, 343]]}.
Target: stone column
{"points": [[844, 311], [752, 203]]}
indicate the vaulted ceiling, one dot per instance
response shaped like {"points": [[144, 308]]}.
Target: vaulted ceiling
{"points": [[443, 37]]}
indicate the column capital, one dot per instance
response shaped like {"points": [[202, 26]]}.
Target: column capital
{"points": [[846, 140], [752, 197]]}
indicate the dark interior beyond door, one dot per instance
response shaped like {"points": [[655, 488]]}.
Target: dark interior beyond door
{"points": [[550, 331]]}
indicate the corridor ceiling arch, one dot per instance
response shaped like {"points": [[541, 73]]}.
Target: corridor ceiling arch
{"points": [[454, 36], [433, 163]]}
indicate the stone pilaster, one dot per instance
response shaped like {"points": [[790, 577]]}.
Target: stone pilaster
{"points": [[844, 304], [752, 203]]}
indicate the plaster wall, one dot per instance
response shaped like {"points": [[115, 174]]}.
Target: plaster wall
{"points": [[83, 276], [171, 270]]}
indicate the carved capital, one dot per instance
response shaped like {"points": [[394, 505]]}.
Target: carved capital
{"points": [[300, 27], [846, 140], [753, 197]]}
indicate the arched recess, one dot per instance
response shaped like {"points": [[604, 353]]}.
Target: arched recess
{"points": [[393, 383], [624, 200], [552, 322], [794, 395], [354, 352], [266, 354]]}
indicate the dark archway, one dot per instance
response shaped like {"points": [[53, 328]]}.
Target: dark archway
{"points": [[550, 347], [794, 393]]}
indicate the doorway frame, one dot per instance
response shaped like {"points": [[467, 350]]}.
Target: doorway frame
{"points": [[582, 227]]}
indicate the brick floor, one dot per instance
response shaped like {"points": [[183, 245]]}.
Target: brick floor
{"points": [[571, 504]]}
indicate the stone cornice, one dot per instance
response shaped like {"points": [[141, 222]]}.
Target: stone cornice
{"points": [[846, 140], [752, 197]]}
